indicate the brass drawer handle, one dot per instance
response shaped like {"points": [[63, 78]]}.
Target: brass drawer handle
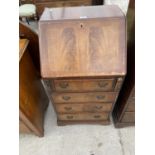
{"points": [[97, 116], [69, 117], [98, 107], [102, 84], [63, 84], [100, 97], [66, 98], [68, 108]]}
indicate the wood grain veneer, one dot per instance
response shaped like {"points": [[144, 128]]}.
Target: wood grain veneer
{"points": [[32, 98]]}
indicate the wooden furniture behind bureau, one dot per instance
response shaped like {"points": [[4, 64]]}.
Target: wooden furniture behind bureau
{"points": [[42, 4], [83, 54], [33, 47], [33, 100], [124, 110]]}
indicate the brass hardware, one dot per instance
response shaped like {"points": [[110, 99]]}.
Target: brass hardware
{"points": [[100, 97], [98, 107], [102, 84], [64, 85], [68, 108], [66, 98], [70, 117], [97, 116]]}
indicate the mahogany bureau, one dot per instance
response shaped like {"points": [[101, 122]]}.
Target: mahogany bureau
{"points": [[83, 54]]}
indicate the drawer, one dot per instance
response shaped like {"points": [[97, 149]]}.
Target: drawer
{"points": [[84, 116], [84, 85], [84, 97], [85, 107], [128, 117], [131, 106]]}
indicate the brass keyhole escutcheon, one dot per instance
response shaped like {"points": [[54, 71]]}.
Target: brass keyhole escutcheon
{"points": [[81, 25]]}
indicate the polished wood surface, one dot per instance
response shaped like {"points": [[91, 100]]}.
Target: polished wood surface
{"points": [[83, 107], [32, 98], [84, 116], [81, 46], [23, 128], [84, 97], [33, 47], [83, 55], [131, 106], [83, 13], [128, 117], [22, 47], [124, 110], [72, 122], [84, 85]]}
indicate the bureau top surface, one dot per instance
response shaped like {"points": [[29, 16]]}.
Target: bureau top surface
{"points": [[83, 12], [82, 42]]}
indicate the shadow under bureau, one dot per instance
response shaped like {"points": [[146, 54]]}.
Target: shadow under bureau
{"points": [[83, 57]]}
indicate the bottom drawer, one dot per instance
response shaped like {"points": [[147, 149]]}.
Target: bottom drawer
{"points": [[84, 116], [128, 117]]}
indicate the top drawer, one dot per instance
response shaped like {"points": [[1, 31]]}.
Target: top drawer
{"points": [[84, 85]]}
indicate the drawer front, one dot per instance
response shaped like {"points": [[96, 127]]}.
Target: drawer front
{"points": [[84, 85], [128, 117], [131, 106], [84, 97], [83, 116], [85, 107]]}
